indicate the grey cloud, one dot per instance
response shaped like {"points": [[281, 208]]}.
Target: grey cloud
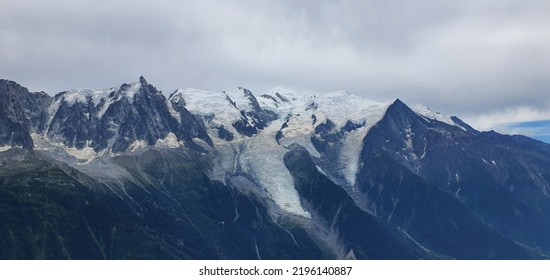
{"points": [[459, 57]]}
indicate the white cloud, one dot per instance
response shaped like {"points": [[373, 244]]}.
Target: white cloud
{"points": [[458, 57], [533, 132], [509, 121]]}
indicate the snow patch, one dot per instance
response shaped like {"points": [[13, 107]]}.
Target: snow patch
{"points": [[321, 170], [413, 240], [132, 90], [99, 98], [82, 156], [214, 107], [429, 114], [105, 106], [138, 145], [86, 160], [170, 141], [350, 153], [408, 140], [52, 109], [240, 98], [6, 148], [82, 95], [172, 111], [86, 154]]}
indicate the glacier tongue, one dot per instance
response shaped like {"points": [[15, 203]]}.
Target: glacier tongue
{"points": [[262, 157]]}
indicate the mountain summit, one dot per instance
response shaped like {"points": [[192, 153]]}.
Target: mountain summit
{"points": [[127, 173]]}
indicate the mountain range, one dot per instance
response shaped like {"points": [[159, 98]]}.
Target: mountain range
{"points": [[130, 173]]}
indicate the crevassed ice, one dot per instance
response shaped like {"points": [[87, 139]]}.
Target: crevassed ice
{"points": [[209, 103], [262, 157], [238, 96]]}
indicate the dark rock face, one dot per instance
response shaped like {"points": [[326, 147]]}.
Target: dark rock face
{"points": [[430, 216], [20, 111], [130, 113], [225, 134], [189, 126], [254, 120], [137, 112], [418, 171], [73, 125], [147, 118], [366, 236], [326, 140], [34, 107]]}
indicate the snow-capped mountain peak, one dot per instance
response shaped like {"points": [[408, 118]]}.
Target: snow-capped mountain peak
{"points": [[106, 96], [97, 100]]}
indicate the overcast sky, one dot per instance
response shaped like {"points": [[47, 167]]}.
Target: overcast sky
{"points": [[485, 61]]}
